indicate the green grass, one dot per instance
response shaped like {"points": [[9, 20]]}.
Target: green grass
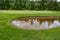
{"points": [[9, 32]]}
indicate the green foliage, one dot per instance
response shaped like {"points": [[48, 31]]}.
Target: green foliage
{"points": [[29, 5], [52, 5], [42, 5], [58, 7], [37, 6]]}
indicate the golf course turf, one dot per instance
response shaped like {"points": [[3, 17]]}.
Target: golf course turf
{"points": [[10, 32]]}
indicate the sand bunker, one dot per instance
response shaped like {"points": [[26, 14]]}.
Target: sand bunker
{"points": [[37, 23]]}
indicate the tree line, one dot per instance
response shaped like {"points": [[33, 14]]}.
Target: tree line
{"points": [[29, 5]]}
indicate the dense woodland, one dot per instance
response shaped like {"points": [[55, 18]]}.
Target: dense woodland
{"points": [[29, 5]]}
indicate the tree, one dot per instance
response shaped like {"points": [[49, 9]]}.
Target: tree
{"points": [[37, 6], [6, 4], [58, 6], [30, 5], [1, 4], [42, 5], [52, 5]]}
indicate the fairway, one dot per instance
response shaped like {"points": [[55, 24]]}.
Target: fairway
{"points": [[10, 32]]}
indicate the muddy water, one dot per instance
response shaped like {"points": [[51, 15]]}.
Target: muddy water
{"points": [[36, 23]]}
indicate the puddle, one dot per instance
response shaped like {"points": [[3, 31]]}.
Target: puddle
{"points": [[36, 23]]}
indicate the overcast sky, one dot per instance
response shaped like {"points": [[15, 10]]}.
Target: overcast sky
{"points": [[58, 0]]}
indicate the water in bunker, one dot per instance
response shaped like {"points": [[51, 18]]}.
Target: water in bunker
{"points": [[36, 23]]}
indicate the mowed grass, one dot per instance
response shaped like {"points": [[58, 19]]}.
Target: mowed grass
{"points": [[9, 32]]}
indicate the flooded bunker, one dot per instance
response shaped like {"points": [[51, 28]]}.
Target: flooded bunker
{"points": [[37, 22]]}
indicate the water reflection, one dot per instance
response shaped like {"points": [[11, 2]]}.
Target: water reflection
{"points": [[54, 24], [34, 24]]}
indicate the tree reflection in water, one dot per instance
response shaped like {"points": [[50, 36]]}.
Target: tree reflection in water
{"points": [[35, 24]]}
